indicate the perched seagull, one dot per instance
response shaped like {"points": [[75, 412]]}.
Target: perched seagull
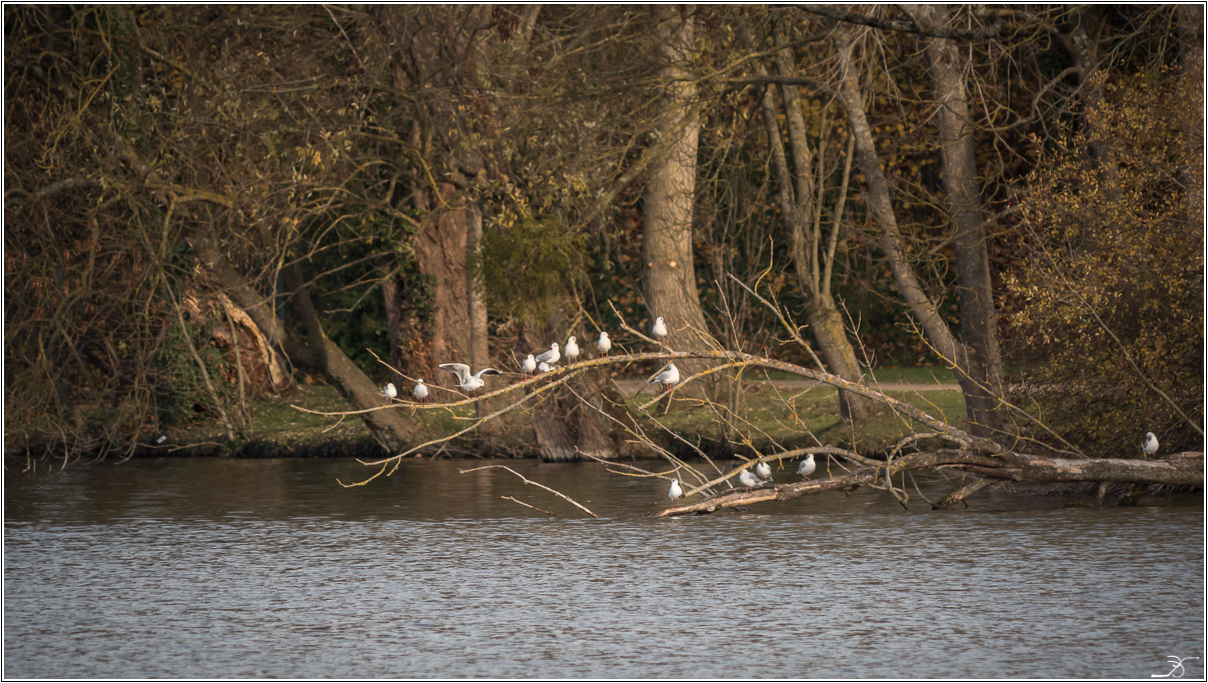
{"points": [[807, 466], [1150, 445], [748, 479], [421, 392], [468, 383], [660, 328], [604, 344], [763, 471], [572, 350], [667, 377], [390, 392], [676, 491], [550, 356], [544, 367], [529, 365]]}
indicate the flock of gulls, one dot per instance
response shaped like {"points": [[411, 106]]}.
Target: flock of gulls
{"points": [[470, 383], [761, 476], [546, 362]]}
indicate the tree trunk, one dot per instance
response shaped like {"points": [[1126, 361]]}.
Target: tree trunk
{"points": [[480, 352], [440, 253], [670, 275], [565, 428], [799, 210], [393, 299], [975, 295], [881, 204]]}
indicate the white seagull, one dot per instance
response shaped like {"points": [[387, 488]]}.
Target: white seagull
{"points": [[572, 350], [421, 391], [550, 356], [807, 466], [748, 479], [529, 365], [1150, 445], [667, 377], [763, 471], [390, 392], [544, 367], [468, 383], [675, 491], [660, 328], [604, 344]]}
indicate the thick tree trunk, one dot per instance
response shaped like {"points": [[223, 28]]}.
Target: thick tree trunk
{"points": [[975, 295], [480, 352], [670, 275], [566, 429], [393, 299], [440, 253]]}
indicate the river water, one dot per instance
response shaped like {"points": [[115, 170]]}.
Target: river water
{"points": [[268, 568]]}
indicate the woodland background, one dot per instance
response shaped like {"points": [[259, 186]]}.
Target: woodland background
{"points": [[205, 204]]}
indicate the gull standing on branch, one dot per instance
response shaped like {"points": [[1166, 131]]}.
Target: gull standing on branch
{"points": [[572, 350], [529, 365], [763, 471], [807, 466], [467, 382], [748, 479], [667, 377], [544, 367], [660, 328], [1150, 445], [390, 392], [421, 391], [675, 491], [550, 356], [604, 344]]}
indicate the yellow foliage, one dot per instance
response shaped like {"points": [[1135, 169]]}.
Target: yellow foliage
{"points": [[1115, 272]]}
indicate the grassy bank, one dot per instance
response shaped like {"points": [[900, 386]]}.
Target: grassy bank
{"points": [[771, 415]]}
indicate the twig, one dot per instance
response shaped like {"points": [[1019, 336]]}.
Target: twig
{"points": [[547, 512], [529, 481]]}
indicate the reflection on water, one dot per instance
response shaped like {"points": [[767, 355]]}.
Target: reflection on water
{"points": [[217, 568]]}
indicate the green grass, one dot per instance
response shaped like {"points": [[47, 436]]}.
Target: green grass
{"points": [[792, 417], [795, 418], [928, 376]]}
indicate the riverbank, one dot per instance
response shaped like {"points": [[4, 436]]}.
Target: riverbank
{"points": [[779, 413]]}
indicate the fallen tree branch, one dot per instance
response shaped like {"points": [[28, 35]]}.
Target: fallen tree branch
{"points": [[1012, 466]]}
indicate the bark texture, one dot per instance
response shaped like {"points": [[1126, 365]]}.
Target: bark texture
{"points": [[670, 275], [947, 65]]}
